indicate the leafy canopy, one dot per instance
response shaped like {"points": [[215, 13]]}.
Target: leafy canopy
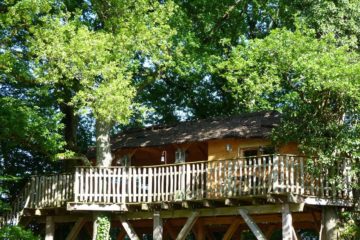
{"points": [[314, 82]]}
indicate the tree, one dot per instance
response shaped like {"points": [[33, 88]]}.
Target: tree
{"points": [[98, 65], [30, 135], [209, 29], [315, 84]]}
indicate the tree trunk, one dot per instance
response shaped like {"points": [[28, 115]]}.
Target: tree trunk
{"points": [[103, 146], [70, 121], [330, 221], [103, 159]]}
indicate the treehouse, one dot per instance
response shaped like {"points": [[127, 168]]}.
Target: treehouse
{"points": [[212, 179]]}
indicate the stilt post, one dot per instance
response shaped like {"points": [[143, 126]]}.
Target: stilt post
{"points": [[287, 228], [49, 228], [158, 227]]}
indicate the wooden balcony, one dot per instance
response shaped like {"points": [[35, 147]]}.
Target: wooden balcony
{"points": [[115, 188]]}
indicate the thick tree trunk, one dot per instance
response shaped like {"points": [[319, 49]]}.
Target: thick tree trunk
{"points": [[103, 159], [103, 146], [70, 122], [330, 221]]}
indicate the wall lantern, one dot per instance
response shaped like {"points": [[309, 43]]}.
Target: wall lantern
{"points": [[163, 157]]}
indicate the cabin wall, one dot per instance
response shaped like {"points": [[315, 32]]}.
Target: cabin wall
{"points": [[199, 151], [145, 156], [217, 149], [289, 148]]}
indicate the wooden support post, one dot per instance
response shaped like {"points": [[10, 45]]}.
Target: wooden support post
{"points": [[170, 229], [287, 228], [49, 228], [330, 221], [188, 226], [129, 229], [252, 225], [199, 231], [158, 227], [76, 229], [232, 229]]}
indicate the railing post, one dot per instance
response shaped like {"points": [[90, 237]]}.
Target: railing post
{"points": [[275, 173], [76, 185], [123, 184], [183, 183], [302, 184], [150, 191]]}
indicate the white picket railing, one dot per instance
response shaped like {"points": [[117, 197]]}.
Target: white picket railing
{"points": [[219, 179], [207, 180]]}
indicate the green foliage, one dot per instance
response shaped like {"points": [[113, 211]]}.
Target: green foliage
{"points": [[75, 57], [16, 233], [314, 82], [350, 227], [162, 61], [103, 227], [29, 125]]}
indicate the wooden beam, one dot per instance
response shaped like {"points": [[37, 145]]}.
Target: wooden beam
{"points": [[212, 212], [169, 228], [158, 227], [237, 234], [188, 226], [199, 230], [49, 228], [129, 229], [328, 202], [208, 203], [76, 229], [252, 225], [232, 229], [89, 230], [287, 228]]}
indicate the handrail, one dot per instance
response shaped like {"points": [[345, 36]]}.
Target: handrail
{"points": [[247, 176], [205, 180], [184, 163], [41, 192]]}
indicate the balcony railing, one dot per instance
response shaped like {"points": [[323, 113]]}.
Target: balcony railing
{"points": [[220, 179], [41, 192]]}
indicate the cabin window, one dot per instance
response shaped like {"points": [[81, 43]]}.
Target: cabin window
{"points": [[268, 150], [250, 153], [180, 155]]}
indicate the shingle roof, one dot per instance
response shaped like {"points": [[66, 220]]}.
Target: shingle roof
{"points": [[252, 125]]}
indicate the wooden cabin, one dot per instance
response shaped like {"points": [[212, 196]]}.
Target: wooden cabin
{"points": [[207, 179]]}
